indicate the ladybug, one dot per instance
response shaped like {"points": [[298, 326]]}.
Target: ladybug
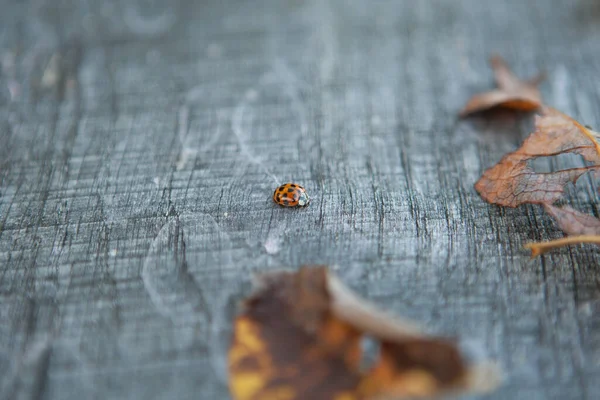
{"points": [[291, 195]]}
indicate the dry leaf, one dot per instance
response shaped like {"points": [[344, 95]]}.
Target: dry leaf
{"points": [[300, 334], [573, 222], [513, 182], [584, 227], [511, 93]]}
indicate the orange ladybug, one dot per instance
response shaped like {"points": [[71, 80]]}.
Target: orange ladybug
{"points": [[291, 195]]}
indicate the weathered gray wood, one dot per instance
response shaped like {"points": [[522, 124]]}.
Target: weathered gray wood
{"points": [[140, 144]]}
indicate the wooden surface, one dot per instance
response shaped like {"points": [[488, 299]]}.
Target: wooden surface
{"points": [[140, 144]]}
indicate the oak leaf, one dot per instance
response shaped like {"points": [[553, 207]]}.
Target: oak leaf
{"points": [[299, 337], [512, 92], [513, 181]]}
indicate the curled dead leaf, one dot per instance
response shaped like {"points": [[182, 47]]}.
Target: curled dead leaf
{"points": [[512, 92], [585, 228], [513, 181], [573, 222], [300, 335]]}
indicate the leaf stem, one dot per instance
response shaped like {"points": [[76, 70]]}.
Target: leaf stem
{"points": [[539, 248]]}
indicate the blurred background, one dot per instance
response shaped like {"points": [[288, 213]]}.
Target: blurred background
{"points": [[140, 143]]}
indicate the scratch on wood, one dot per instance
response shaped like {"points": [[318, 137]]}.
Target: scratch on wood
{"points": [[184, 246], [292, 89], [172, 290], [186, 138], [32, 366], [243, 135]]}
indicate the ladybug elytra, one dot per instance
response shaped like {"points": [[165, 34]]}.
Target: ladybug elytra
{"points": [[291, 195]]}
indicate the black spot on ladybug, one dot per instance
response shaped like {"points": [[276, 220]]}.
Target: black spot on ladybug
{"points": [[291, 190]]}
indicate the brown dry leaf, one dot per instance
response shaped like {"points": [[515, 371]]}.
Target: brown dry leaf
{"points": [[513, 182], [584, 228], [573, 222], [299, 337], [512, 92]]}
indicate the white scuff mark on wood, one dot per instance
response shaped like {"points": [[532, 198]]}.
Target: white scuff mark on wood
{"points": [[52, 73], [586, 107], [8, 64], [325, 39], [185, 247], [186, 152], [183, 116], [186, 139], [272, 244], [95, 66], [81, 366], [194, 94], [207, 234], [292, 86], [561, 85], [149, 25], [251, 95], [221, 117], [219, 342], [28, 367], [214, 50], [242, 135], [153, 56], [588, 309], [185, 155], [376, 121], [351, 273], [275, 238], [14, 89], [164, 275]]}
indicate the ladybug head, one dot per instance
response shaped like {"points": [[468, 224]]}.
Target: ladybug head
{"points": [[303, 200]]}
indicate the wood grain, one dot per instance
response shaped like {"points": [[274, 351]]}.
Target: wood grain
{"points": [[140, 143]]}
